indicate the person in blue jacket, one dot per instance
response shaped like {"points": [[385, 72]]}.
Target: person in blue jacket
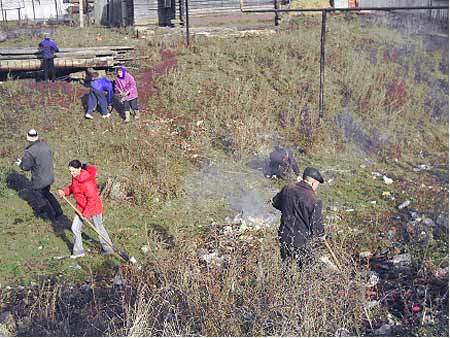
{"points": [[48, 48], [101, 94]]}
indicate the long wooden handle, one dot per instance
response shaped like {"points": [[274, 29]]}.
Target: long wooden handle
{"points": [[327, 244]]}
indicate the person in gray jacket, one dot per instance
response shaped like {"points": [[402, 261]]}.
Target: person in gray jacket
{"points": [[37, 158]]}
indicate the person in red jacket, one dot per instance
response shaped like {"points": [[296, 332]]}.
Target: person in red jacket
{"points": [[88, 204]]}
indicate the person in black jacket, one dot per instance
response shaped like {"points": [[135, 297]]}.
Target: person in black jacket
{"points": [[301, 216], [38, 158], [282, 163]]}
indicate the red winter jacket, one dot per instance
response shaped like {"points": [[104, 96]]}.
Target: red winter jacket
{"points": [[84, 190]]}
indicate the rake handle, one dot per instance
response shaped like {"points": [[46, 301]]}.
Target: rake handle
{"points": [[327, 244]]}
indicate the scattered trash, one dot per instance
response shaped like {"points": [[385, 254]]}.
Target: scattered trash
{"points": [[363, 166], [212, 258], [396, 218], [372, 304], [442, 273], [145, 249], [376, 174], [40, 247], [428, 320], [386, 194], [75, 266], [429, 222], [371, 293], [373, 279], [365, 254], [58, 258], [416, 308], [330, 180], [387, 180], [133, 260], [403, 205], [349, 210], [385, 330], [402, 261], [118, 280], [413, 214], [422, 167], [342, 332], [373, 202]]}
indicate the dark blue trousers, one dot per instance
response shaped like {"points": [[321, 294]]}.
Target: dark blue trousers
{"points": [[97, 97]]}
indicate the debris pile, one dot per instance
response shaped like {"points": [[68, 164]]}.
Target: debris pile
{"points": [[221, 241]]}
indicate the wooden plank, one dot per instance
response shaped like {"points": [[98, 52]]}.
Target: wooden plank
{"points": [[33, 51], [10, 65], [75, 55]]}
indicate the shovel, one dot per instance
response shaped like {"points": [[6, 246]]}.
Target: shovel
{"points": [[120, 253]]}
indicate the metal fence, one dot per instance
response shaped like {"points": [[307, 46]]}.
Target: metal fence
{"points": [[433, 14]]}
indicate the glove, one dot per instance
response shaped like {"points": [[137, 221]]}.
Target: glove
{"points": [[18, 162]]}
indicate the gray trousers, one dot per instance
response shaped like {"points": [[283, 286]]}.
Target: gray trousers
{"points": [[77, 224]]}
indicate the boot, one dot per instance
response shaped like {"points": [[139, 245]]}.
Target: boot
{"points": [[136, 114], [127, 116]]}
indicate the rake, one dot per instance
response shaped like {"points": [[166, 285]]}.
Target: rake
{"points": [[120, 253]]}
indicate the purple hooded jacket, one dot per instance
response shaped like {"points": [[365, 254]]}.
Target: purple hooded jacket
{"points": [[48, 48], [125, 84]]}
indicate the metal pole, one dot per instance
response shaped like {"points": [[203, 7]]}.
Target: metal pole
{"points": [[187, 23], [80, 6], [322, 60], [3, 13], [56, 9], [277, 16], [34, 12]]}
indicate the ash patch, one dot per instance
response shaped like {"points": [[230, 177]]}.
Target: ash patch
{"points": [[246, 193], [368, 141]]}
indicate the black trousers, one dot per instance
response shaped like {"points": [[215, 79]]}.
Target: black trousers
{"points": [[49, 67], [48, 203], [299, 255]]}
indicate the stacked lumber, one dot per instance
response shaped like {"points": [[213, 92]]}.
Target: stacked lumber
{"points": [[28, 59]]}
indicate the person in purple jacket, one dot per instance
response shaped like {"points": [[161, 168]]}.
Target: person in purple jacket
{"points": [[48, 48], [99, 95], [125, 85]]}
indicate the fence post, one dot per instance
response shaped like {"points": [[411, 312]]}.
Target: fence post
{"points": [[322, 60], [80, 6]]}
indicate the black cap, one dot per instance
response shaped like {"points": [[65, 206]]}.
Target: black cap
{"points": [[313, 173]]}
